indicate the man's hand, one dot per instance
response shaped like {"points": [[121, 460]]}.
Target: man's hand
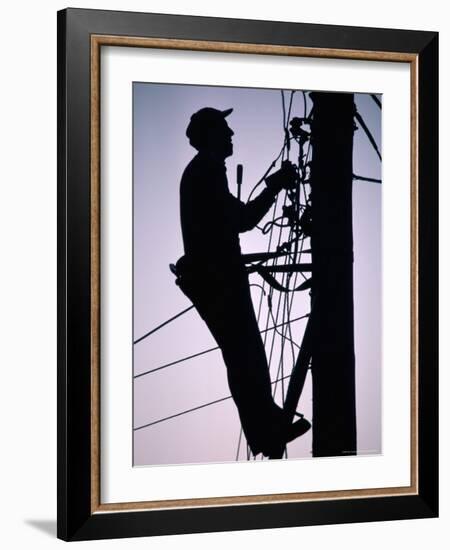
{"points": [[284, 178]]}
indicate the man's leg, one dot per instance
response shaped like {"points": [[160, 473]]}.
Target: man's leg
{"points": [[230, 316]]}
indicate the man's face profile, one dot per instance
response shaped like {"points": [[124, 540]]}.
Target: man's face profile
{"points": [[219, 139]]}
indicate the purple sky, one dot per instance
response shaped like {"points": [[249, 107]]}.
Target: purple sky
{"points": [[161, 151]]}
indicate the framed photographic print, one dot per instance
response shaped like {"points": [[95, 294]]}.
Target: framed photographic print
{"points": [[247, 256]]}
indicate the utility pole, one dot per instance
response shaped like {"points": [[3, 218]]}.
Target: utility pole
{"points": [[332, 330]]}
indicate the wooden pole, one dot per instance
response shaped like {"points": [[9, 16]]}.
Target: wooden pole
{"points": [[333, 358]]}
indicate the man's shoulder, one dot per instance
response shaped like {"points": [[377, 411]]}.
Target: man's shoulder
{"points": [[203, 161], [202, 166]]}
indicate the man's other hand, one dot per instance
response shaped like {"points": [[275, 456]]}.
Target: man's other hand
{"points": [[284, 178]]}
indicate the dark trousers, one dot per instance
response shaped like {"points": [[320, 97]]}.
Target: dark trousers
{"points": [[226, 306]]}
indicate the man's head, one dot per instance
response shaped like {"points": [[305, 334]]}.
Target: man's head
{"points": [[208, 131]]}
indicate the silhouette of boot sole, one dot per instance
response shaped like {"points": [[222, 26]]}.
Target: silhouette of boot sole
{"points": [[297, 429]]}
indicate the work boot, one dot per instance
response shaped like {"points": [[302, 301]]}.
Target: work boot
{"points": [[287, 432]]}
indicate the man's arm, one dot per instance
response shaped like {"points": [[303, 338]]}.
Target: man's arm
{"points": [[251, 213]]}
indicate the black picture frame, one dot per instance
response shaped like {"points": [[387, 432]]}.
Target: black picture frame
{"points": [[79, 516]]}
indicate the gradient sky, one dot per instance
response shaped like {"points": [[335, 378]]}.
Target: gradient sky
{"points": [[161, 152]]}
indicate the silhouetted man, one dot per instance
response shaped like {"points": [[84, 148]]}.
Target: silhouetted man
{"points": [[213, 275]]}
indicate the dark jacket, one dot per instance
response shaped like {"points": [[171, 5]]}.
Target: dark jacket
{"points": [[212, 218]]}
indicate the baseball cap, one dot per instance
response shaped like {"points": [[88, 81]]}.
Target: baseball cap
{"points": [[204, 119]]}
